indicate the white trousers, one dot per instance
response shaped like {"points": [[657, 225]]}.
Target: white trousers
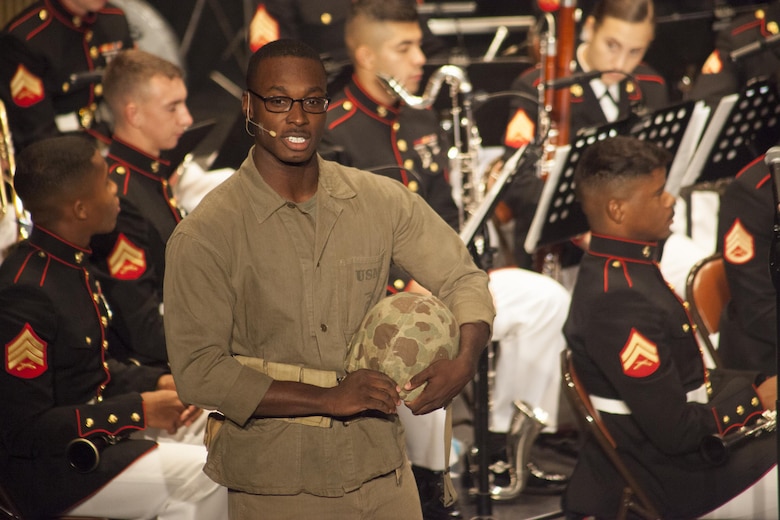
{"points": [[530, 312], [167, 483], [758, 502]]}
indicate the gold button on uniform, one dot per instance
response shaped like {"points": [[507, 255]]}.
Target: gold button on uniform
{"points": [[434, 167], [326, 18], [576, 90], [65, 86], [79, 257], [740, 410], [135, 417], [646, 251], [155, 167], [726, 419], [616, 264], [382, 111], [399, 284], [347, 105], [402, 145], [93, 52], [396, 126], [771, 27], [413, 186], [43, 14], [88, 36], [686, 327], [754, 402], [89, 423], [630, 87], [121, 170], [409, 164], [686, 305], [113, 419], [88, 340], [760, 14], [98, 90]]}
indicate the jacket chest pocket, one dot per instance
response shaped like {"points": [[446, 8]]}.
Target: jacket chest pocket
{"points": [[362, 280]]}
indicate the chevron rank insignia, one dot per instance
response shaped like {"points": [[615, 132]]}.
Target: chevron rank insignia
{"points": [[25, 355], [127, 261], [738, 244], [26, 87], [639, 356]]}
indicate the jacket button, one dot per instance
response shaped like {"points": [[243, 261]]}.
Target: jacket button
{"points": [[113, 419], [323, 327]]}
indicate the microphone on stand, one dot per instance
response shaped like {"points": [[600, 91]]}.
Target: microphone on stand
{"points": [[772, 160], [568, 81], [256, 124], [754, 48]]}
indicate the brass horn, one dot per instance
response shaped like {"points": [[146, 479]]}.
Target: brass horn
{"points": [[8, 198]]}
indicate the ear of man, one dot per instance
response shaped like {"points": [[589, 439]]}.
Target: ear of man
{"points": [[364, 57], [587, 29], [615, 210]]}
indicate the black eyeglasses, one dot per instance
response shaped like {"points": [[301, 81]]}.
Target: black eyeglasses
{"points": [[279, 104]]}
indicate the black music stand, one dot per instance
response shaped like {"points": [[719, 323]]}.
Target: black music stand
{"points": [[559, 216], [474, 236], [678, 129], [742, 127]]}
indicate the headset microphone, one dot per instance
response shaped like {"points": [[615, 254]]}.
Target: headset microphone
{"points": [[258, 125]]}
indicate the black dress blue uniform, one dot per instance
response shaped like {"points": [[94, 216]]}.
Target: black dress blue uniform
{"points": [[635, 351], [58, 383], [41, 48], [130, 261], [748, 325]]}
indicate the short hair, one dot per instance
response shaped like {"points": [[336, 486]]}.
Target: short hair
{"points": [[604, 165], [52, 170], [632, 11], [280, 49], [384, 10], [374, 11], [131, 69]]}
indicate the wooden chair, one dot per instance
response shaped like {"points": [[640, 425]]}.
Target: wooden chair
{"points": [[634, 499], [708, 294]]}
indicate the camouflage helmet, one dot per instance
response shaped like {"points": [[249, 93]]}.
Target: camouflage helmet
{"points": [[402, 335]]}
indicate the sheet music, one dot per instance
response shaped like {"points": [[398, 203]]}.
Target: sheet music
{"points": [[545, 200], [475, 221], [687, 148], [719, 118]]}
